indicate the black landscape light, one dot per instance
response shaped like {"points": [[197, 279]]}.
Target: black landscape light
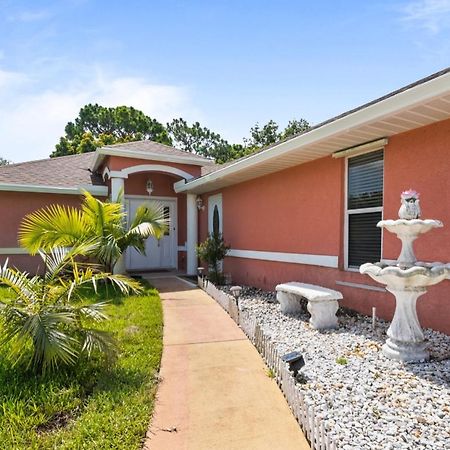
{"points": [[236, 292], [295, 361]]}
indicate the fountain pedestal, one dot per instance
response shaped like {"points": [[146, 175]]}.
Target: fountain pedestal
{"points": [[405, 337]]}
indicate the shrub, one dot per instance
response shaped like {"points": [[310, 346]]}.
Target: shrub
{"points": [[213, 250]]}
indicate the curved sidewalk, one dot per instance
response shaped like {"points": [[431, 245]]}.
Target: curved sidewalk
{"points": [[215, 392]]}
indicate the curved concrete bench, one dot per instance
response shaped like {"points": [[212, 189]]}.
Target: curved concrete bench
{"points": [[322, 302]]}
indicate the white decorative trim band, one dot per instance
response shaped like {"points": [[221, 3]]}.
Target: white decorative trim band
{"points": [[368, 287], [94, 190], [295, 258], [13, 251]]}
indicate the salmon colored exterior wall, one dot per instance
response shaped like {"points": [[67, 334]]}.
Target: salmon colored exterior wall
{"points": [[13, 208], [15, 205], [119, 163], [301, 210]]}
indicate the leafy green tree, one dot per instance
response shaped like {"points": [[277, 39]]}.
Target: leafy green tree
{"points": [[268, 134], [97, 126], [262, 136], [4, 162], [295, 127], [101, 225], [47, 322], [212, 251], [199, 140]]}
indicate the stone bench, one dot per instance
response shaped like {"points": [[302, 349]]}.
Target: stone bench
{"points": [[322, 302]]}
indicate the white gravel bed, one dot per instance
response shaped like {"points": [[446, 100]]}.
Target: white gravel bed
{"points": [[367, 401]]}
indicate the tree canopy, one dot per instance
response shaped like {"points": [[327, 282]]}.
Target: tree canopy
{"points": [[198, 139], [4, 162], [97, 126]]}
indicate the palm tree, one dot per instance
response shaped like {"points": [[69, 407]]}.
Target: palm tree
{"points": [[102, 225], [46, 321]]}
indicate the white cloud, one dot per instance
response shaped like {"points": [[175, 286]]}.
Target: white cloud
{"points": [[32, 121], [432, 15], [29, 16]]}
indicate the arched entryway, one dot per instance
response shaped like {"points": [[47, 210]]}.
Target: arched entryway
{"points": [[177, 248]]}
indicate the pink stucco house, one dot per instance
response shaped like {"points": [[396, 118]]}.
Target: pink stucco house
{"points": [[304, 209]]}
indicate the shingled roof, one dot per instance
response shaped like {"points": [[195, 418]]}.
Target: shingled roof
{"points": [[157, 149], [149, 150], [63, 171]]}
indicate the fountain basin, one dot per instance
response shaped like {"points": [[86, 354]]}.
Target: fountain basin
{"points": [[406, 341], [407, 230], [420, 275]]}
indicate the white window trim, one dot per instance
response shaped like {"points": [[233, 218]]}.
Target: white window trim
{"points": [[347, 212]]}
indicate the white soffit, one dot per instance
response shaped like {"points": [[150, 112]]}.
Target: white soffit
{"points": [[421, 104]]}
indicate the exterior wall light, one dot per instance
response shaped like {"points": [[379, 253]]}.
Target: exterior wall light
{"points": [[200, 205], [149, 186]]}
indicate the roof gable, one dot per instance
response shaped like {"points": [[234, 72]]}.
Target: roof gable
{"points": [[148, 150]]}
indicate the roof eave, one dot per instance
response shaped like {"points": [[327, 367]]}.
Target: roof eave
{"points": [[105, 151], [101, 191], [375, 111]]}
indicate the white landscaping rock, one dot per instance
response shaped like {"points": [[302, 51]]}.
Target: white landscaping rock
{"points": [[372, 402]]}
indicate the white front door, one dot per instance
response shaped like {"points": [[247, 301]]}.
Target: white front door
{"points": [[159, 254]]}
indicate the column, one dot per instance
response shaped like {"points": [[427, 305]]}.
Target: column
{"points": [[192, 232], [118, 193], [118, 189]]}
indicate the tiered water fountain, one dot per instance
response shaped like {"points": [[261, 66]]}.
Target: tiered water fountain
{"points": [[407, 280]]}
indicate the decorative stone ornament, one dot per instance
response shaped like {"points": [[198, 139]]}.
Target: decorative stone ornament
{"points": [[406, 341], [322, 302], [407, 280], [410, 208]]}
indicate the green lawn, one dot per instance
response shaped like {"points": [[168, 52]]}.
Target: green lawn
{"points": [[90, 406]]}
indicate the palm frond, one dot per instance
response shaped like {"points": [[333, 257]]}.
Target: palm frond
{"points": [[98, 340], [24, 287], [53, 226], [101, 215], [93, 312], [149, 220], [125, 284]]}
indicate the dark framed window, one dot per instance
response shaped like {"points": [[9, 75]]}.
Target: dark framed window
{"points": [[364, 207]]}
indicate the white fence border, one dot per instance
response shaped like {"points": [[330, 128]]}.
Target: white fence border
{"points": [[313, 427]]}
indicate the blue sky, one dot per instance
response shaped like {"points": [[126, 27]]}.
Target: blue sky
{"points": [[227, 64]]}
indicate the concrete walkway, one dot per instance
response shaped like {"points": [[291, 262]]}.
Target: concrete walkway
{"points": [[215, 393]]}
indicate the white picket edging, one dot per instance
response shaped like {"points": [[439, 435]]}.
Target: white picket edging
{"points": [[313, 427]]}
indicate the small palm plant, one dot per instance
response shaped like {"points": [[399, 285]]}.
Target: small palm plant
{"points": [[102, 225], [47, 321]]}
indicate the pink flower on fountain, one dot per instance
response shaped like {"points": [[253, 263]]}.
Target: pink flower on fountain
{"points": [[410, 194]]}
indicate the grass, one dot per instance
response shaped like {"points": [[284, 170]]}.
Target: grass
{"points": [[342, 360], [90, 406]]}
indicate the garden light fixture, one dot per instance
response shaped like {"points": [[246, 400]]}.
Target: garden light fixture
{"points": [[236, 292], [295, 361]]}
